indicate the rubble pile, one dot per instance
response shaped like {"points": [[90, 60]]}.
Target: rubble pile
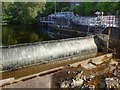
{"points": [[77, 81], [102, 82], [93, 82], [105, 76], [117, 71], [112, 83]]}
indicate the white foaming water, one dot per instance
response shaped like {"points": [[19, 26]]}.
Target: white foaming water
{"points": [[24, 55]]}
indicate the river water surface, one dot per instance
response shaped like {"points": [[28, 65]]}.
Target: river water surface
{"points": [[26, 34]]}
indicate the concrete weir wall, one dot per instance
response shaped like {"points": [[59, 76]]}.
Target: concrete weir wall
{"points": [[114, 38], [21, 55]]}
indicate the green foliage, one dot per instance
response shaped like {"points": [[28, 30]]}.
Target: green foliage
{"points": [[29, 12], [61, 5], [50, 7], [108, 7], [21, 12], [65, 9], [89, 8], [76, 9]]}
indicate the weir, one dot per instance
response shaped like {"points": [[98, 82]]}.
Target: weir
{"points": [[23, 55]]}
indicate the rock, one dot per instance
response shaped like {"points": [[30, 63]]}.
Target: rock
{"points": [[101, 84], [84, 78], [117, 71], [112, 82], [68, 72], [78, 76], [92, 76], [77, 83], [73, 72], [64, 84]]}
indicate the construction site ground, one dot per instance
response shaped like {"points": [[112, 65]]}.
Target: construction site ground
{"points": [[94, 71]]}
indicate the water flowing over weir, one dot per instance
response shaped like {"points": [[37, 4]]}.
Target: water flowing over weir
{"points": [[16, 56]]}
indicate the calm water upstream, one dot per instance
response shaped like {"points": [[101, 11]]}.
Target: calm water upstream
{"points": [[26, 34]]}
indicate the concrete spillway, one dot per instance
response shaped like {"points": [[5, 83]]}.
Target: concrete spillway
{"points": [[15, 56]]}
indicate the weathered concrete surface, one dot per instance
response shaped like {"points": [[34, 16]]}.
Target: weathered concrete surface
{"points": [[12, 81], [96, 60], [114, 39], [38, 82]]}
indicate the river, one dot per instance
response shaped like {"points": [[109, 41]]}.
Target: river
{"points": [[27, 34]]}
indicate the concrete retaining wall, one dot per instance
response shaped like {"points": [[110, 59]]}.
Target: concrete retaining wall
{"points": [[114, 36]]}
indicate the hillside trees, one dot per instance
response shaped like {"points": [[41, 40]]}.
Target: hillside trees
{"points": [[27, 12]]}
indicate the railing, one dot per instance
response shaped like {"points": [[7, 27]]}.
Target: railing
{"points": [[106, 21], [44, 19], [93, 21]]}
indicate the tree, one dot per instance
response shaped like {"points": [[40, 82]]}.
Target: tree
{"points": [[65, 9], [89, 8], [29, 12], [21, 12], [50, 7], [108, 7]]}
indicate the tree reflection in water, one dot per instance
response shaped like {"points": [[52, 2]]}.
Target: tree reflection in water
{"points": [[22, 34]]}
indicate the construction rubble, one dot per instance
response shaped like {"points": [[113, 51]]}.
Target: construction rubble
{"points": [[105, 75], [102, 72]]}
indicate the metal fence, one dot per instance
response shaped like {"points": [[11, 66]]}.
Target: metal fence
{"points": [[106, 21]]}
